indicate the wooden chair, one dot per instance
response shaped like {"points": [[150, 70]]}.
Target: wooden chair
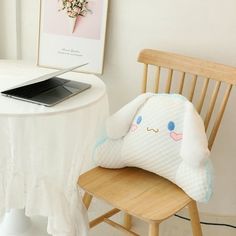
{"points": [[146, 195]]}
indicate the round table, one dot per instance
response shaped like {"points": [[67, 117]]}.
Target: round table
{"points": [[42, 153]]}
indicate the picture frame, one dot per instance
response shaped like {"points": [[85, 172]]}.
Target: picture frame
{"points": [[72, 32]]}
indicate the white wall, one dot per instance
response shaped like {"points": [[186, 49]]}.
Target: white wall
{"points": [[203, 28], [29, 29], [9, 46]]}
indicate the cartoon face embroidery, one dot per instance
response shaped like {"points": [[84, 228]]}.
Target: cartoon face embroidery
{"points": [[170, 126], [174, 135]]}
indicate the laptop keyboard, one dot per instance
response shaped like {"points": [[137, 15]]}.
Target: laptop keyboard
{"points": [[32, 90]]}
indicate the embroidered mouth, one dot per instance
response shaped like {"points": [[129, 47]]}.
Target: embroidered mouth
{"points": [[154, 130]]}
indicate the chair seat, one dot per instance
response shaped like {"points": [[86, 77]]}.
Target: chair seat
{"points": [[139, 192]]}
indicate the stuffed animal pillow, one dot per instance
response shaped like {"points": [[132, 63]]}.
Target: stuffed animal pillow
{"points": [[164, 134]]}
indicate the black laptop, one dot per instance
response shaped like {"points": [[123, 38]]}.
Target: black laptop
{"points": [[47, 90]]}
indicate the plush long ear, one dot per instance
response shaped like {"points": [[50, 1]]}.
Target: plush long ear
{"points": [[119, 123], [194, 149]]}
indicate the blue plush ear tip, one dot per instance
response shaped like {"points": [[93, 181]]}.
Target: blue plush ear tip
{"points": [[210, 180]]}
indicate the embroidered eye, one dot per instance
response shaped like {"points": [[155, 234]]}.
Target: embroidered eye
{"points": [[139, 119], [171, 126]]}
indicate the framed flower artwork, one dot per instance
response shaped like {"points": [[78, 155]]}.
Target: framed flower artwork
{"points": [[72, 32]]}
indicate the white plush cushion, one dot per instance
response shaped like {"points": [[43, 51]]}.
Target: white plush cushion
{"points": [[161, 133]]}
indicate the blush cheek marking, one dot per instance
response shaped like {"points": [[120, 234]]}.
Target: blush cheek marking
{"points": [[133, 127], [176, 136]]}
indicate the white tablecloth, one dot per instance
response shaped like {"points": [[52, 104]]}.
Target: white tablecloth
{"points": [[42, 149]]}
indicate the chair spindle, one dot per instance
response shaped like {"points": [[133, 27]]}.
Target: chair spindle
{"points": [[212, 104], [169, 80], [145, 75], [181, 85], [157, 79], [219, 116], [203, 95], [192, 89]]}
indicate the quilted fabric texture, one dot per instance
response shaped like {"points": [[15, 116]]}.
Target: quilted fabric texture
{"points": [[164, 134]]}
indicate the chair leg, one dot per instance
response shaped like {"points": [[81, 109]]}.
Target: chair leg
{"points": [[127, 221], [153, 229], [87, 198], [195, 220]]}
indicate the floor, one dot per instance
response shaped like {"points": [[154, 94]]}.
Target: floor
{"points": [[174, 226], [38, 227]]}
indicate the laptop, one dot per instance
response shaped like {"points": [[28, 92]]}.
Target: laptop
{"points": [[47, 90]]}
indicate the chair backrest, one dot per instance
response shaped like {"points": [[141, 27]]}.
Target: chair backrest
{"points": [[215, 80]]}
